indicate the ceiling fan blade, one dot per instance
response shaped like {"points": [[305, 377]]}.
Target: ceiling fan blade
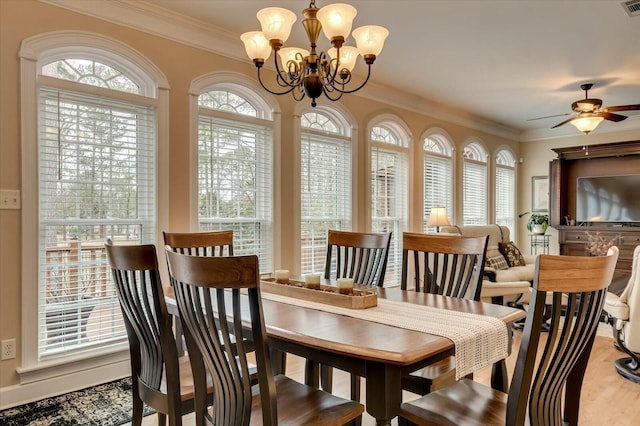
{"points": [[564, 122], [613, 117], [623, 108], [549, 116]]}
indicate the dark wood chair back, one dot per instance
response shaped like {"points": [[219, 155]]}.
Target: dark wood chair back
{"points": [[210, 294], [450, 265], [215, 243], [539, 386], [357, 255], [155, 366]]}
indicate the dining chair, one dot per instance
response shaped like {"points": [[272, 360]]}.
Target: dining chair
{"points": [[210, 243], [219, 297], [363, 257], [540, 381], [449, 265], [160, 378], [358, 255]]}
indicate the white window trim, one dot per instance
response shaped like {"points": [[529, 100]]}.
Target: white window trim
{"points": [[514, 167], [34, 51], [438, 133], [343, 116], [480, 148], [270, 110], [403, 134]]}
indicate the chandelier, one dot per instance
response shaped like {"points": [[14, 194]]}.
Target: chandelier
{"points": [[309, 73]]}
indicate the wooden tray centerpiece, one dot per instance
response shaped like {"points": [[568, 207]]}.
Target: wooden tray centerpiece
{"points": [[360, 297]]}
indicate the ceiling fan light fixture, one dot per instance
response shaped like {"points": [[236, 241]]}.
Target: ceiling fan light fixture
{"points": [[587, 124], [587, 105]]}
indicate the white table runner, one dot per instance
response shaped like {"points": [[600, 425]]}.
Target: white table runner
{"points": [[479, 340]]}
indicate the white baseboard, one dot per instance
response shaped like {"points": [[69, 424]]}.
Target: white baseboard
{"points": [[11, 396]]}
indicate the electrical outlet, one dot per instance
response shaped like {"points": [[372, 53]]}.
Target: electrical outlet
{"points": [[9, 199], [8, 348]]}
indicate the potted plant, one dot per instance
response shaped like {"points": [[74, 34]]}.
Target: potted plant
{"points": [[538, 223]]}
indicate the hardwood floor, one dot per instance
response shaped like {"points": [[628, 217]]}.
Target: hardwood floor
{"points": [[607, 398]]}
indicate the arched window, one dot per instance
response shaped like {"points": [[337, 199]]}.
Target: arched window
{"points": [[438, 176], [325, 184], [505, 189], [389, 188], [235, 169], [474, 202], [95, 174]]}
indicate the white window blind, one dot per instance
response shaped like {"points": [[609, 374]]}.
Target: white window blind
{"points": [[235, 184], [325, 182], [474, 186], [389, 182], [505, 190], [97, 158], [438, 177]]}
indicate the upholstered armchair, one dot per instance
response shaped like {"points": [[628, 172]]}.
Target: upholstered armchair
{"points": [[623, 314]]}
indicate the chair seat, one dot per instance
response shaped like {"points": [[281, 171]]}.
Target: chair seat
{"points": [[431, 378], [616, 308], [299, 404], [464, 403]]}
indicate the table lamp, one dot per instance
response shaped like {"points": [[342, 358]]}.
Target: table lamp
{"points": [[438, 217]]}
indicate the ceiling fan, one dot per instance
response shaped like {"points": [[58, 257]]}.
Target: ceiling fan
{"points": [[588, 113]]}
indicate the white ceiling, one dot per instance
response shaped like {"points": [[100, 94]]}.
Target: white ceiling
{"points": [[505, 61]]}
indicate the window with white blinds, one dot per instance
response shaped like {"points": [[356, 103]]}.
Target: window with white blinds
{"points": [[235, 173], [474, 175], [97, 180], [325, 186], [505, 189], [389, 183], [438, 176]]}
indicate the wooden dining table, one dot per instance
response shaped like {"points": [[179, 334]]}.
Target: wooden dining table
{"points": [[380, 353]]}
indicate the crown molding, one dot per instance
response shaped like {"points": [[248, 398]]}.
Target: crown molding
{"points": [[144, 16]]}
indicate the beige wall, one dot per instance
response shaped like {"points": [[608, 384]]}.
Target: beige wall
{"points": [[180, 63]]}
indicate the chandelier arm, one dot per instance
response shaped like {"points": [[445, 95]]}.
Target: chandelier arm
{"points": [[357, 88], [271, 91], [327, 90], [300, 95], [281, 74]]}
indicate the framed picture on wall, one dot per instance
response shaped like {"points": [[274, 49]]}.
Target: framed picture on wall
{"points": [[539, 193]]}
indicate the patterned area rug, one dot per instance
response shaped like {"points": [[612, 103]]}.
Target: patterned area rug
{"points": [[108, 404]]}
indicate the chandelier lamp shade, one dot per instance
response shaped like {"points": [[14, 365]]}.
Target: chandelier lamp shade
{"points": [[308, 72]]}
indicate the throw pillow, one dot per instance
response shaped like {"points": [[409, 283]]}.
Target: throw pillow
{"points": [[511, 253], [497, 262]]}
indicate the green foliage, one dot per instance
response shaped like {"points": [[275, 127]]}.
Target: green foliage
{"points": [[538, 219]]}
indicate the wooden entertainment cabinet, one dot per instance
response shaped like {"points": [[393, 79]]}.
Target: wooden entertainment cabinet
{"points": [[617, 158]]}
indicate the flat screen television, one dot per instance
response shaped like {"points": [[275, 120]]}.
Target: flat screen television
{"points": [[608, 199]]}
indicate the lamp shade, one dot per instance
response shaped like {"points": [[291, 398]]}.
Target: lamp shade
{"points": [[587, 123], [336, 19], [256, 45], [276, 22], [291, 54], [348, 56], [370, 39], [438, 217]]}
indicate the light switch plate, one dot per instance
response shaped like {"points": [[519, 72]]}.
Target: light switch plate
{"points": [[9, 199]]}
